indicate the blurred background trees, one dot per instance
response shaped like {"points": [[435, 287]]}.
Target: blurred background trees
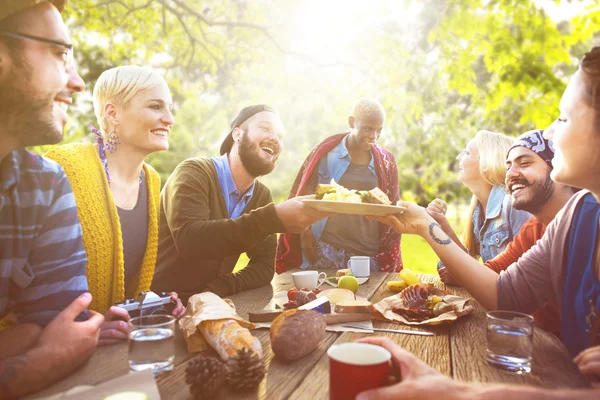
{"points": [[443, 69]]}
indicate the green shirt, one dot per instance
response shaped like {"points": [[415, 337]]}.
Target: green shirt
{"points": [[198, 245]]}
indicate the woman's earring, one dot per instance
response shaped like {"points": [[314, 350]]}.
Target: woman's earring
{"points": [[112, 141]]}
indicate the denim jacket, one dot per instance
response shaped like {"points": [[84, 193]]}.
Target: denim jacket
{"points": [[501, 224], [333, 166]]}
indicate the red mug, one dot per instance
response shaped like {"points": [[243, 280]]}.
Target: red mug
{"points": [[356, 367]]}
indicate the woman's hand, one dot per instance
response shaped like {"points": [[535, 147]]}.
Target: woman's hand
{"points": [[414, 220], [588, 362], [437, 209], [446, 277], [179, 310], [115, 328]]}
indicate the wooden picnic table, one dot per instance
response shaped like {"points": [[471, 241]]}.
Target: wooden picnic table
{"points": [[457, 350]]}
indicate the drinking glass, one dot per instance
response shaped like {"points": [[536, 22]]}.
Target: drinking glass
{"points": [[510, 341], [152, 343]]}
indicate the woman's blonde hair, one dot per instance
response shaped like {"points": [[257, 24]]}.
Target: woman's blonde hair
{"points": [[119, 85], [492, 148]]}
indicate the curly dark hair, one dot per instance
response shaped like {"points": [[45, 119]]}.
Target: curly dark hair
{"points": [[590, 67]]}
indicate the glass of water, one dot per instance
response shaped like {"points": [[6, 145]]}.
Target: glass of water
{"points": [[152, 343], [510, 341]]}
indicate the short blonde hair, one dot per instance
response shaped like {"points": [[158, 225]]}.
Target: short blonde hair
{"points": [[119, 85], [366, 106], [492, 148]]}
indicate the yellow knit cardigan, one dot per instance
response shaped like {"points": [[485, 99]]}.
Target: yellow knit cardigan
{"points": [[101, 226]]}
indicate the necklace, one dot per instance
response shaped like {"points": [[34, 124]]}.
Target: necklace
{"points": [[102, 154]]}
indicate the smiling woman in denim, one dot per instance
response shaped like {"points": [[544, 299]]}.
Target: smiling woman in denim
{"points": [[492, 222]]}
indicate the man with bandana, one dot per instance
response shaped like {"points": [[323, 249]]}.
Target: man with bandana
{"points": [[46, 332], [214, 209], [528, 168]]}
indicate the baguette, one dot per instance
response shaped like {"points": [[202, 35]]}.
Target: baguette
{"points": [[227, 337]]}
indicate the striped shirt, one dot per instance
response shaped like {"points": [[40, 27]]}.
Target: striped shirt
{"points": [[42, 259]]}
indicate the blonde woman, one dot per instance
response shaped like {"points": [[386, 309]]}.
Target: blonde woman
{"points": [[117, 193], [492, 222]]}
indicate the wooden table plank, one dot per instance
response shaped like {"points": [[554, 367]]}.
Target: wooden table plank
{"points": [[457, 350], [552, 366], [434, 350]]}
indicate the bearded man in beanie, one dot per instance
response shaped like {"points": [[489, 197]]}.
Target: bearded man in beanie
{"points": [[528, 168], [213, 209], [47, 332]]}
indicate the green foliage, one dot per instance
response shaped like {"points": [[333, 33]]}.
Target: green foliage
{"points": [[453, 68]]}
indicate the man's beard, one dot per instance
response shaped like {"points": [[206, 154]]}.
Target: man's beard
{"points": [[27, 115], [252, 160], [541, 195]]}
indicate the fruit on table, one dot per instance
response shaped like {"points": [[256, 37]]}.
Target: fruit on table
{"points": [[292, 294], [397, 286], [409, 277], [336, 295], [348, 282]]}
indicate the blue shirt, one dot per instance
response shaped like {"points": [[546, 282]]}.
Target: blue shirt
{"points": [[42, 259], [582, 289], [333, 166], [497, 226], [234, 200]]}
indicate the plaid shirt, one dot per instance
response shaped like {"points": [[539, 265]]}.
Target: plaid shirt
{"points": [[42, 259]]}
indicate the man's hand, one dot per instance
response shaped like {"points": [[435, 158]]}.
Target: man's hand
{"points": [[447, 278], [309, 245], [63, 345], [18, 339], [75, 340], [115, 328], [414, 220], [296, 216], [588, 362], [418, 380], [179, 310]]}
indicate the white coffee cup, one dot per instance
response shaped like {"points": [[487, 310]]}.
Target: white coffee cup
{"points": [[308, 279], [360, 266]]}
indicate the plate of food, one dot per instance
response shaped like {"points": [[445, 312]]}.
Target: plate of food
{"points": [[338, 199], [333, 280]]}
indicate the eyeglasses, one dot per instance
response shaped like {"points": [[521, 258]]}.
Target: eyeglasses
{"points": [[67, 55]]}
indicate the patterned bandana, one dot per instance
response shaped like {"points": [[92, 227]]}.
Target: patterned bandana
{"points": [[535, 141]]}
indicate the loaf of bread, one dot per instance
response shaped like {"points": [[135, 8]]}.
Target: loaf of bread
{"points": [[226, 336], [295, 333]]}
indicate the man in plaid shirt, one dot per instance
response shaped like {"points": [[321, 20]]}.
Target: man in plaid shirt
{"points": [[42, 260]]}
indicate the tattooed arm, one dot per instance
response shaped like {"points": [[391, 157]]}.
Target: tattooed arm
{"points": [[63, 345], [478, 280]]}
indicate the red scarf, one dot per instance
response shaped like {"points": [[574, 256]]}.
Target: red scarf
{"points": [[389, 259]]}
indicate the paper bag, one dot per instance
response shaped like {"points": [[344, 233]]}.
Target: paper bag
{"points": [[206, 307]]}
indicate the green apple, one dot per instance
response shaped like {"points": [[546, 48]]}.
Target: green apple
{"points": [[348, 282]]}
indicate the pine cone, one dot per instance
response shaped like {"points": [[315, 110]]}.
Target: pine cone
{"points": [[206, 376], [245, 371]]}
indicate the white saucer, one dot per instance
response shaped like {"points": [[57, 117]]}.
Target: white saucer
{"points": [[360, 280]]}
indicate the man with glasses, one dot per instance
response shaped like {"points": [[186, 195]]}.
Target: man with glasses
{"points": [[43, 285]]}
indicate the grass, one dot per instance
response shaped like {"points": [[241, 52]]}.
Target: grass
{"points": [[416, 253]]}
